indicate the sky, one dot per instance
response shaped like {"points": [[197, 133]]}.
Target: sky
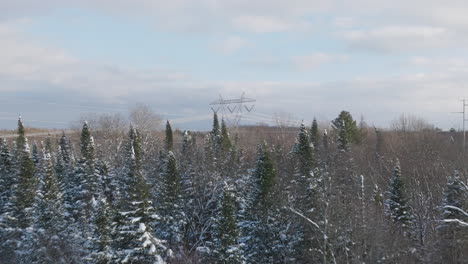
{"points": [[60, 59]]}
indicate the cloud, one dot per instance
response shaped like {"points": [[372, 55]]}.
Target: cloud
{"points": [[400, 38], [315, 60], [267, 24], [231, 44]]}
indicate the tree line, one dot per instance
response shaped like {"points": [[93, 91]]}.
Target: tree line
{"points": [[349, 195]]}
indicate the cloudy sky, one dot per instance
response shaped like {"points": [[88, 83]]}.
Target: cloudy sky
{"points": [[62, 58]]}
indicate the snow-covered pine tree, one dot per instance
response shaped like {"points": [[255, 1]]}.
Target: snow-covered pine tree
{"points": [[215, 131], [343, 138], [226, 246], [170, 205], [7, 188], [7, 179], [65, 160], [25, 191], [262, 228], [134, 239], [304, 153], [35, 156], [225, 142], [453, 240], [188, 188], [104, 252], [455, 199], [19, 217], [87, 182], [51, 243], [304, 197], [169, 140], [314, 134], [397, 204]]}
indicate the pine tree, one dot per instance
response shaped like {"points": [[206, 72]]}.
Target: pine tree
{"points": [[35, 156], [134, 240], [397, 205], [215, 132], [7, 180], [224, 140], [314, 134], [346, 122], [343, 138], [304, 152], [25, 191], [453, 241], [87, 176], [227, 249], [104, 253], [262, 228], [169, 141], [170, 205], [51, 244]]}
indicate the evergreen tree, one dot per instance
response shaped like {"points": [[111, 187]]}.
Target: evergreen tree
{"points": [[35, 156], [224, 140], [455, 198], [397, 205], [314, 134], [87, 173], [50, 238], [304, 152], [343, 138], [215, 132], [25, 190], [7, 179], [134, 240], [169, 141], [262, 230], [170, 204], [453, 241], [346, 122], [227, 248], [104, 253]]}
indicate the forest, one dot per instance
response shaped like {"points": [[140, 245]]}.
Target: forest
{"points": [[336, 191]]}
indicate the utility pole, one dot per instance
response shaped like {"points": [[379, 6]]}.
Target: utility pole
{"points": [[464, 120]]}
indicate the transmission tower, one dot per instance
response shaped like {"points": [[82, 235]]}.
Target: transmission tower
{"points": [[233, 109]]}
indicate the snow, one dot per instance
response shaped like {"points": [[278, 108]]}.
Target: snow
{"points": [[137, 219], [142, 227], [456, 209], [460, 222]]}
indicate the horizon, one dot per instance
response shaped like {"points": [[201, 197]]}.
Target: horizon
{"points": [[61, 60]]}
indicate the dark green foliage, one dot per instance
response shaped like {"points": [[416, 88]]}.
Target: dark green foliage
{"points": [[225, 142], [455, 196], [227, 247], [215, 132], [169, 140], [26, 188], [343, 138], [51, 244], [304, 152], [87, 143], [104, 229], [170, 205], [314, 133], [345, 122], [7, 179], [265, 175], [134, 240], [397, 205]]}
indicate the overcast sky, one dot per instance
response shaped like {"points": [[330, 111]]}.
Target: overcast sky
{"points": [[59, 58]]}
